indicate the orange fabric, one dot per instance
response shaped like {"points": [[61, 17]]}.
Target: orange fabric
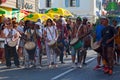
{"points": [[117, 39], [104, 62]]}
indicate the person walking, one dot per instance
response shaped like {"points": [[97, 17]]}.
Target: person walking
{"points": [[107, 42]]}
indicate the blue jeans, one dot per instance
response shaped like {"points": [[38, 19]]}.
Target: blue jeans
{"points": [[62, 49], [11, 51]]}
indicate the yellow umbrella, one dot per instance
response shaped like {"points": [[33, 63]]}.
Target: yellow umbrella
{"points": [[54, 15], [61, 11], [36, 16]]}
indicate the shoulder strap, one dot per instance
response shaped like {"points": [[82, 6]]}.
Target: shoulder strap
{"points": [[78, 30], [50, 32]]}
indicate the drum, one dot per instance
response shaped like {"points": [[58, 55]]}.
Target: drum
{"points": [[2, 39], [76, 43], [52, 43], [95, 46], [12, 43], [29, 45]]}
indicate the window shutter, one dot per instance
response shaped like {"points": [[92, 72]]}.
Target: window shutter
{"points": [[77, 3], [66, 3]]}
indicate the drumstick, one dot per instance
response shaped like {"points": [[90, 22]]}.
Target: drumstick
{"points": [[85, 35]]}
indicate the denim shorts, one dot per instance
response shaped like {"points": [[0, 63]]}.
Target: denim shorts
{"points": [[74, 52]]}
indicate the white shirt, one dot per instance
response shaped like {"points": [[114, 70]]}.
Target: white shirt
{"points": [[6, 32], [51, 32], [40, 32], [63, 21], [20, 28]]}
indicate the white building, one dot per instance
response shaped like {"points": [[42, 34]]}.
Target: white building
{"points": [[82, 8]]}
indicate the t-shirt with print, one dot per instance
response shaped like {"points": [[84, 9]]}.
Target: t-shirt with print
{"points": [[107, 33]]}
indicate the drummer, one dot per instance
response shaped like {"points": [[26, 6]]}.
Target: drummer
{"points": [[50, 35], [30, 54], [107, 42], [21, 41], [77, 33], [39, 37], [86, 29], [62, 37], [24, 37], [9, 33], [98, 36]]}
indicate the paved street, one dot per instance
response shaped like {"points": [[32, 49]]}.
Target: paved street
{"points": [[63, 72]]}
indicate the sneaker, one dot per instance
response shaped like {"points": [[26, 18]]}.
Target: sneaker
{"points": [[18, 66], [62, 62], [97, 67], [32, 66], [110, 72], [106, 69], [38, 67], [73, 65], [80, 66], [26, 66], [56, 65], [50, 66], [84, 63]]}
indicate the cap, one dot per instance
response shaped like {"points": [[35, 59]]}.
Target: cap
{"points": [[39, 24], [63, 21], [103, 17], [39, 20], [78, 19]]}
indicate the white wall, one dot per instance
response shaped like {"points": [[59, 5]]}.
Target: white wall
{"points": [[42, 4], [86, 6]]}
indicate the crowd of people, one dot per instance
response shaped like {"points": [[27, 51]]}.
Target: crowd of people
{"points": [[26, 41]]}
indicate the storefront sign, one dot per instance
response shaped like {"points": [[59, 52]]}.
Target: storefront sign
{"points": [[28, 6]]}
